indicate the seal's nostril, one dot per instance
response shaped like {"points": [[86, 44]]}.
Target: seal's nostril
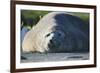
{"points": [[51, 41], [51, 44]]}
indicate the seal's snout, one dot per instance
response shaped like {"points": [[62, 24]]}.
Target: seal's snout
{"points": [[54, 43], [56, 40]]}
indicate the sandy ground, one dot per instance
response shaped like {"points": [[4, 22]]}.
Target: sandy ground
{"points": [[38, 57]]}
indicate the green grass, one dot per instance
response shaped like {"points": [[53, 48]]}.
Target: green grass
{"points": [[83, 16]]}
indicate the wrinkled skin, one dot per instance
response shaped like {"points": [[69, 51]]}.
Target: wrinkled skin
{"points": [[57, 32]]}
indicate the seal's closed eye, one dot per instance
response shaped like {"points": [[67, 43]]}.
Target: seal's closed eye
{"points": [[47, 35]]}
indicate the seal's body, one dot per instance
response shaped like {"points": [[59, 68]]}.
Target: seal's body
{"points": [[57, 32]]}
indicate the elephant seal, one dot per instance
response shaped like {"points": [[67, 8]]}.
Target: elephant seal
{"points": [[57, 32]]}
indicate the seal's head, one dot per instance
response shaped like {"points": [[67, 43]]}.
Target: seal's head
{"points": [[53, 40]]}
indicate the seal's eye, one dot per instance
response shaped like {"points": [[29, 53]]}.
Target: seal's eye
{"points": [[59, 34], [47, 35]]}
